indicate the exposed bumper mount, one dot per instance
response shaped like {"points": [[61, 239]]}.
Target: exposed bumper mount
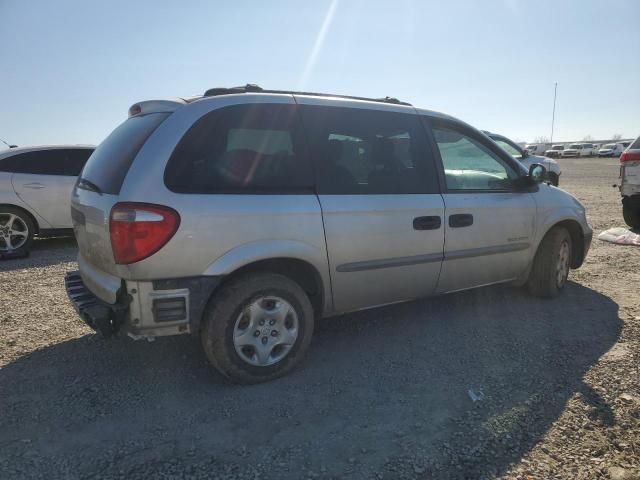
{"points": [[100, 316]]}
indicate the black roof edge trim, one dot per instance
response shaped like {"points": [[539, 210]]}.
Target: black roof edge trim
{"points": [[253, 88]]}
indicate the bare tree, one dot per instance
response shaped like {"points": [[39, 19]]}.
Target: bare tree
{"points": [[541, 139], [588, 138], [616, 136]]}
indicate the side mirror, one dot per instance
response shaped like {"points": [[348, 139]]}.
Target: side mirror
{"points": [[537, 173]]}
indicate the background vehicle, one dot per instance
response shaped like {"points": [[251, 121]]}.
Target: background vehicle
{"points": [[578, 150], [245, 214], [630, 184], [555, 151], [611, 150], [35, 193], [537, 148], [572, 150], [526, 158], [587, 150]]}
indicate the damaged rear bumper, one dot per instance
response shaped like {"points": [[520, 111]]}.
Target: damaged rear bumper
{"points": [[102, 317]]}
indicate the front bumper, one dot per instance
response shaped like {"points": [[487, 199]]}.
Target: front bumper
{"points": [[102, 317]]}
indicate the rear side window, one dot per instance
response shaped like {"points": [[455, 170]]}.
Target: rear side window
{"points": [[359, 151], [47, 162], [110, 162], [253, 148]]}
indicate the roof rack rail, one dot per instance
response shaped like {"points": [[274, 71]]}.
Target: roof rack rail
{"points": [[253, 88]]}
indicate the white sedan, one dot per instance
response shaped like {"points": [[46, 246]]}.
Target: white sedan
{"points": [[526, 159], [35, 193]]}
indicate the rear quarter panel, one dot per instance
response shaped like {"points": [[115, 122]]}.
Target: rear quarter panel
{"points": [[8, 196], [219, 233]]}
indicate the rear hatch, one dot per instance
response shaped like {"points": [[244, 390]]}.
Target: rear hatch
{"points": [[98, 189]]}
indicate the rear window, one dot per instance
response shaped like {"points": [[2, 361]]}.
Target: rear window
{"points": [[59, 161], [253, 148], [636, 145], [110, 162]]}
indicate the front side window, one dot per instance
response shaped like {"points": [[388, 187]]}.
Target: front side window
{"points": [[359, 152], [470, 165], [242, 148]]}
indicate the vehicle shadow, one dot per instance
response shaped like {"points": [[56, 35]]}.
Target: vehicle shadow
{"points": [[45, 251], [382, 392]]}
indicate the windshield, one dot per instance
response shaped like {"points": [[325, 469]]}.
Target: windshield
{"points": [[557, 147], [511, 149], [610, 145], [575, 146]]}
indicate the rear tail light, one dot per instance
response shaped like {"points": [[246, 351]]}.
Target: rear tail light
{"points": [[139, 230], [629, 156]]}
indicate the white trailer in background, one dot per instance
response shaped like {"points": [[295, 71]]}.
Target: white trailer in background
{"points": [[537, 148]]}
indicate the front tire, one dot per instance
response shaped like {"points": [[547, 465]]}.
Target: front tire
{"points": [[551, 264], [16, 232], [257, 328], [631, 214]]}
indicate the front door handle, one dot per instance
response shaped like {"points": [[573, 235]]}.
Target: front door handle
{"points": [[460, 220], [35, 185], [427, 223]]}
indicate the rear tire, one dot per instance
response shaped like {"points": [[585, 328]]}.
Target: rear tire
{"points": [[631, 214], [551, 264], [16, 232], [257, 328]]}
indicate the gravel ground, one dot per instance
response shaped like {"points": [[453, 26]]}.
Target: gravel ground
{"points": [[383, 393]]}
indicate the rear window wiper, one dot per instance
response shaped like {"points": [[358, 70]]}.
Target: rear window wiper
{"points": [[85, 184]]}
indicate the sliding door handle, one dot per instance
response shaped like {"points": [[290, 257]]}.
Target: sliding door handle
{"points": [[460, 220], [427, 223]]}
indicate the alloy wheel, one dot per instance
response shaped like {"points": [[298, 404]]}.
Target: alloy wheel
{"points": [[14, 232]]}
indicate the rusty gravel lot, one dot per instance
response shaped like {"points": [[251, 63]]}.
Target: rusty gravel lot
{"points": [[383, 393]]}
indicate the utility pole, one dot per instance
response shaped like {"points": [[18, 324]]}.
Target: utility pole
{"points": [[553, 117]]}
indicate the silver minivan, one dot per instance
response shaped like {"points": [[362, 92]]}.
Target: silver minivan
{"points": [[244, 215]]}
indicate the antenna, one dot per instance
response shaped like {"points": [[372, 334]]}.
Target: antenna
{"points": [[553, 116]]}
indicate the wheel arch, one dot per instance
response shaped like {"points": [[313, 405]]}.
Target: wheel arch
{"points": [[577, 240], [300, 271], [297, 260]]}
